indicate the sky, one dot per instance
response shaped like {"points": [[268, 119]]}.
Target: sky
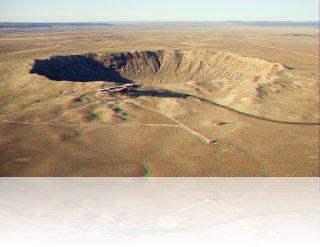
{"points": [[159, 10]]}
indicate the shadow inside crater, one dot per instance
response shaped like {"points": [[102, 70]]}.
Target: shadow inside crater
{"points": [[157, 93], [76, 68]]}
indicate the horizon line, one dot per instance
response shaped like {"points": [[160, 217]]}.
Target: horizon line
{"points": [[108, 21]]}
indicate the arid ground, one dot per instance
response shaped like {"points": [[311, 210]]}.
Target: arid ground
{"points": [[215, 100]]}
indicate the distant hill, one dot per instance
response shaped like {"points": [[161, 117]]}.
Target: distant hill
{"points": [[219, 23], [283, 23], [46, 25], [159, 23]]}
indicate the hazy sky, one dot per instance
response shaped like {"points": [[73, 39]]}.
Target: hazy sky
{"points": [[157, 10]]}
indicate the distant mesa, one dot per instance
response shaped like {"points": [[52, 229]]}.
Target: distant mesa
{"points": [[18, 25]]}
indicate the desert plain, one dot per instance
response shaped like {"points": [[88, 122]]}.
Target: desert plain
{"points": [[215, 100]]}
